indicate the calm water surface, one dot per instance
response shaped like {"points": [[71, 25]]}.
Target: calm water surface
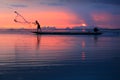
{"points": [[48, 57]]}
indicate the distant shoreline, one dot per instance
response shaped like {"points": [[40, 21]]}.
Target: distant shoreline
{"points": [[60, 29]]}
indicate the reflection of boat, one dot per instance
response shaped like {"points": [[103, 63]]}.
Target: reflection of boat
{"points": [[68, 33]]}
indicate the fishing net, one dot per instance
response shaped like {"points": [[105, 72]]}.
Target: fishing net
{"points": [[20, 19]]}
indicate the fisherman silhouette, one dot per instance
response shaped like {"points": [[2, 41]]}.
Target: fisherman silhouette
{"points": [[38, 26], [96, 29]]}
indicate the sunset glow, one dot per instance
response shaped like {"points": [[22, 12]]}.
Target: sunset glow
{"points": [[84, 25], [60, 14]]}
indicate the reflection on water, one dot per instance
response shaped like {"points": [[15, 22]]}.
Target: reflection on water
{"points": [[38, 42], [83, 56], [66, 57]]}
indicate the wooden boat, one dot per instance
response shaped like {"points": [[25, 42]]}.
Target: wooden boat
{"points": [[68, 33]]}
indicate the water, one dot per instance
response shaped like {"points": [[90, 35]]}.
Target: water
{"points": [[26, 56]]}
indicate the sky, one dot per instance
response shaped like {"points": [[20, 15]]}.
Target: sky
{"points": [[61, 13]]}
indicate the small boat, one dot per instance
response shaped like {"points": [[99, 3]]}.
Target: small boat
{"points": [[68, 33]]}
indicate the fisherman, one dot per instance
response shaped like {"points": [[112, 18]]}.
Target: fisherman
{"points": [[38, 26], [96, 30]]}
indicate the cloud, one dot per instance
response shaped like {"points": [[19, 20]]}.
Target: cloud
{"points": [[59, 2], [115, 2], [51, 3], [84, 9], [85, 12], [19, 5]]}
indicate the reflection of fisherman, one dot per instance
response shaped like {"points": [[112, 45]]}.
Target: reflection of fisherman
{"points": [[38, 26], [38, 41], [96, 29]]}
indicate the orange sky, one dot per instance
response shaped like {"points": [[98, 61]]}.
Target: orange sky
{"points": [[59, 14], [47, 18]]}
